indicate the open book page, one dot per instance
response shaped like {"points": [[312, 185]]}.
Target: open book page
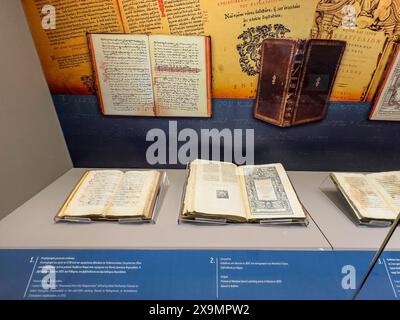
{"points": [[269, 193], [214, 190], [135, 194], [123, 73], [387, 104], [93, 194], [388, 185], [189, 190], [363, 196], [181, 75]]}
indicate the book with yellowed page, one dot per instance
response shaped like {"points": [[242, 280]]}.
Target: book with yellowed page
{"points": [[221, 192], [113, 195], [156, 75], [386, 102], [372, 197]]}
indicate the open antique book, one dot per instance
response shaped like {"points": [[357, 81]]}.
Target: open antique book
{"points": [[374, 196], [386, 102], [112, 195], [156, 75], [222, 191]]}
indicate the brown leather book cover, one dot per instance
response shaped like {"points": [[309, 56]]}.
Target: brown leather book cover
{"points": [[296, 80]]}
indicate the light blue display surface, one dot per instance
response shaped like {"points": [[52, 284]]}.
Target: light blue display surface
{"points": [[194, 274]]}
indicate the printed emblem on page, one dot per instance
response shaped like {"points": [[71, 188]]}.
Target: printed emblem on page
{"points": [[222, 194]]}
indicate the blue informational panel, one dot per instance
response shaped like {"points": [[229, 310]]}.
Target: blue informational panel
{"points": [[193, 274]]}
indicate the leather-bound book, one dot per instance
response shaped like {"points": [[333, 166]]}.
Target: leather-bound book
{"points": [[296, 80]]}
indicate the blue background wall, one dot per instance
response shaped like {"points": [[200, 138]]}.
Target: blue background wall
{"points": [[345, 140]]}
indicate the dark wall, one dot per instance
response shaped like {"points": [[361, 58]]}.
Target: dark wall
{"points": [[346, 140]]}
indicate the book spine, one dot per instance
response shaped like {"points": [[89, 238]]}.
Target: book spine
{"points": [[294, 82], [208, 75]]}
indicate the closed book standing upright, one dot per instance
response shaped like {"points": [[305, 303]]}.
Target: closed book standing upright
{"points": [[296, 80]]}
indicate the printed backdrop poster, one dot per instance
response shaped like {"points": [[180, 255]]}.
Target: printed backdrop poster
{"points": [[62, 48], [237, 29], [364, 25]]}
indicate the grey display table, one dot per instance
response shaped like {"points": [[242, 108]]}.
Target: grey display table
{"points": [[32, 226]]}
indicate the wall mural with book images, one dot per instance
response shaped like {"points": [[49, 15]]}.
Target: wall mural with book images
{"points": [[237, 30], [59, 30], [339, 50]]}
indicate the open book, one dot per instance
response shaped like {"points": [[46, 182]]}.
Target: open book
{"points": [[156, 75], [386, 102], [374, 196], [112, 195], [224, 191]]}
